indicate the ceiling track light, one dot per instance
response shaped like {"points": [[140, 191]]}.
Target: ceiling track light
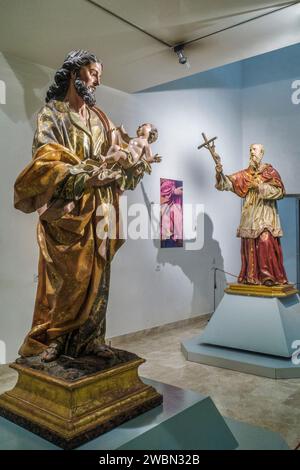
{"points": [[182, 59], [179, 49]]}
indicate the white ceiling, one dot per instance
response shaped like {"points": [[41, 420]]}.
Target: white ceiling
{"points": [[43, 31]]}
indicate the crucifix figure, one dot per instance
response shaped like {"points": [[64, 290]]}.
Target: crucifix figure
{"points": [[260, 186]]}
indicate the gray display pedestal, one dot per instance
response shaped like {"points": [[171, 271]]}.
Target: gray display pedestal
{"points": [[186, 420], [256, 335]]}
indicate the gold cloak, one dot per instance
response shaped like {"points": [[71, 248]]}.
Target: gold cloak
{"points": [[72, 256]]}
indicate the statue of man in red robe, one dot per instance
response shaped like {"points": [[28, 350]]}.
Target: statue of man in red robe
{"points": [[260, 186]]}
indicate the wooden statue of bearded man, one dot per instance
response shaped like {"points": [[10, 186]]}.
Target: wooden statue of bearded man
{"points": [[260, 186], [70, 189]]}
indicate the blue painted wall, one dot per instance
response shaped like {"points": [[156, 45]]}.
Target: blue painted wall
{"points": [[271, 112], [289, 215]]}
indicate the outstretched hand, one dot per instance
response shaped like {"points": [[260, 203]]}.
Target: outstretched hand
{"points": [[157, 158], [102, 177], [219, 168]]}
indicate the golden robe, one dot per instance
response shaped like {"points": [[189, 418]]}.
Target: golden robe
{"points": [[74, 263]]}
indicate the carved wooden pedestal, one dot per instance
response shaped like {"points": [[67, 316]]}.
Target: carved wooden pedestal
{"points": [[69, 413], [280, 291]]}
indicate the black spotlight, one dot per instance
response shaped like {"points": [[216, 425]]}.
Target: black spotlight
{"points": [[181, 57]]}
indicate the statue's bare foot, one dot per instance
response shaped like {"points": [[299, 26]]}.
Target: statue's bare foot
{"points": [[104, 351], [51, 353]]}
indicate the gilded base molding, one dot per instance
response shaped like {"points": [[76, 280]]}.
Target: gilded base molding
{"points": [[71, 412], [283, 290]]}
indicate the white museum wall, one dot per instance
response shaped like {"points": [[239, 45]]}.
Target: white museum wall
{"points": [[149, 286], [153, 286], [25, 87]]}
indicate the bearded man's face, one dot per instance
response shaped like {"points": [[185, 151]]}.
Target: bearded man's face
{"points": [[86, 81], [256, 154]]}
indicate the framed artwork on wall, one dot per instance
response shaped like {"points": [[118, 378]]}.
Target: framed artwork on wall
{"points": [[171, 213]]}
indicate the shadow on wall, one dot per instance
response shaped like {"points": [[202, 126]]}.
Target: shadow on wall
{"points": [[34, 82], [198, 265]]}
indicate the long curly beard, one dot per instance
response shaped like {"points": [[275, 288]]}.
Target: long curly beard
{"points": [[254, 163], [89, 96]]}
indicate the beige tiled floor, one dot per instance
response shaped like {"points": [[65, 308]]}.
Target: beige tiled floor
{"points": [[272, 404]]}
